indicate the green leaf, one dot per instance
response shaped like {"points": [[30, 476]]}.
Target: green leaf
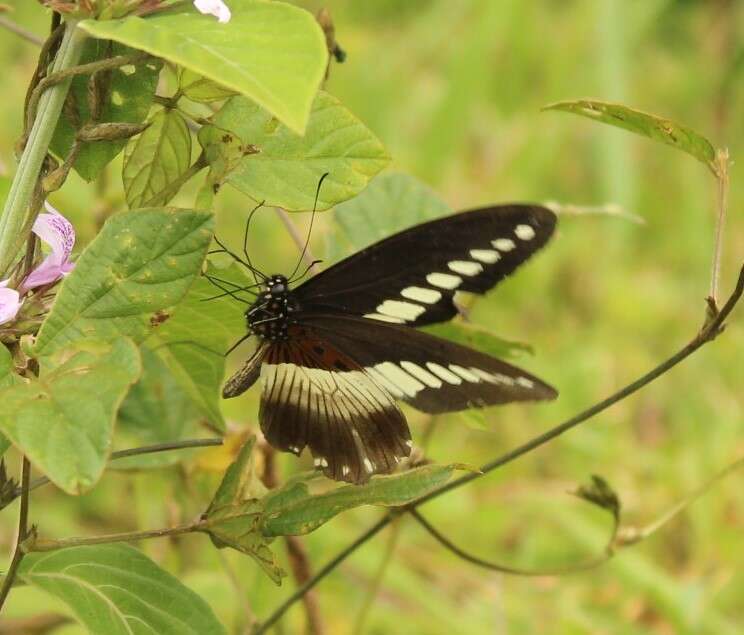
{"points": [[64, 421], [296, 511], [271, 52], [142, 262], [156, 410], [131, 89], [117, 590], [479, 338], [192, 343], [200, 89], [155, 160], [8, 378], [223, 151], [644, 124], [286, 169], [233, 518], [393, 201]]}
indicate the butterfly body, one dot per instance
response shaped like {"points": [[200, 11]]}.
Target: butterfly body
{"points": [[337, 353]]}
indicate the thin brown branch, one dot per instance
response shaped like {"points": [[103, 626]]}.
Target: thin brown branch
{"points": [[707, 334], [11, 26], [18, 551], [298, 558]]}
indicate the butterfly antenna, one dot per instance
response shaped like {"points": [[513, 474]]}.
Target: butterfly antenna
{"points": [[229, 292], [247, 265], [245, 233], [310, 229], [307, 270]]}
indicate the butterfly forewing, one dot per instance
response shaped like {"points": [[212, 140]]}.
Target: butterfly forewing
{"points": [[411, 277], [314, 395]]}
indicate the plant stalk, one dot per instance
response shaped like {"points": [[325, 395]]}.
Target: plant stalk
{"points": [[15, 213]]}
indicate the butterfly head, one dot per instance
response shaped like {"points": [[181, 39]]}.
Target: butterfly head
{"points": [[269, 316]]}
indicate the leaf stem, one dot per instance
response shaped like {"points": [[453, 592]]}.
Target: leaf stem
{"points": [[122, 454], [722, 175], [20, 31], [18, 551], [13, 221], [127, 536]]}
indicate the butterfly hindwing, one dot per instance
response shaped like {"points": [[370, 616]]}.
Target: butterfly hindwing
{"points": [[431, 374], [411, 277], [314, 395]]}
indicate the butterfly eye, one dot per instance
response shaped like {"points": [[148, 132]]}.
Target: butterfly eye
{"points": [[278, 289]]}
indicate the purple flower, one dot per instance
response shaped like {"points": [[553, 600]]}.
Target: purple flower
{"points": [[217, 8], [57, 232], [10, 302]]}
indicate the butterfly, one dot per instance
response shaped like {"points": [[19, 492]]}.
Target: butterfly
{"points": [[336, 353]]}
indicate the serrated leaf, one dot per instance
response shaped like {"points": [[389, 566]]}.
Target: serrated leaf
{"points": [[193, 341], [131, 89], [296, 511], [141, 262], [479, 338], [647, 125], [233, 517], [271, 52], [201, 89], [155, 160], [156, 410], [117, 590], [286, 169], [64, 421], [390, 203]]}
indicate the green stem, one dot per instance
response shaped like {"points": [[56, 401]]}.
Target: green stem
{"points": [[129, 536], [14, 213]]}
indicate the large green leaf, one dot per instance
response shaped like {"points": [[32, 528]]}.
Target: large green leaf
{"points": [[272, 52], [192, 343], [155, 160], [156, 410], [662, 130], [233, 518], [286, 169], [131, 89], [64, 421], [117, 590], [142, 262], [292, 510], [200, 89]]}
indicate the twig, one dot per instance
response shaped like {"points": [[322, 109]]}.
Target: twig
{"points": [[20, 31], [322, 573], [298, 240], [298, 558], [591, 563], [122, 454], [708, 333], [18, 551], [722, 163]]}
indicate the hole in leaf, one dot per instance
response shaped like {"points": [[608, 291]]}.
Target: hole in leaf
{"points": [[129, 69], [116, 98]]}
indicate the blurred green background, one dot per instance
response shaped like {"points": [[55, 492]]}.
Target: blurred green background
{"points": [[454, 90]]}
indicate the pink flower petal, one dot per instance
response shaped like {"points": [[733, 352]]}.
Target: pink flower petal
{"points": [[217, 8], [10, 302], [57, 232]]}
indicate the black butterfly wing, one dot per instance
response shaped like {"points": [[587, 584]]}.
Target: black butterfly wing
{"points": [[316, 395], [411, 277], [431, 374]]}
